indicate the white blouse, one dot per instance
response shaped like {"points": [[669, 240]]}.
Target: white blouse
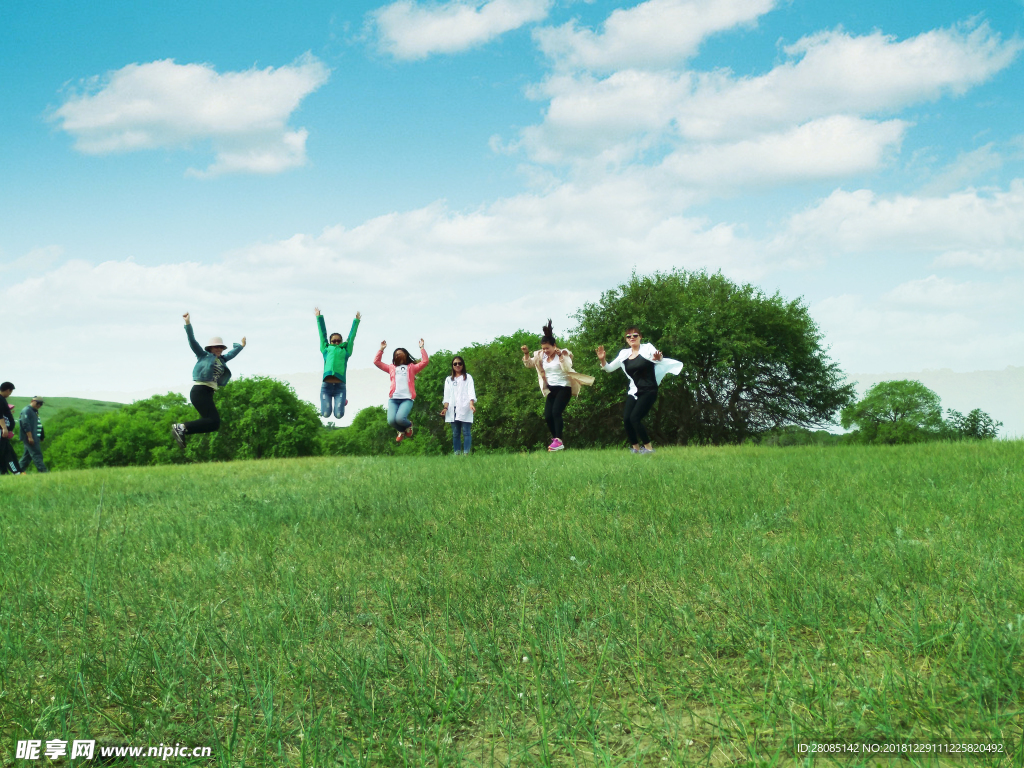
{"points": [[553, 371]]}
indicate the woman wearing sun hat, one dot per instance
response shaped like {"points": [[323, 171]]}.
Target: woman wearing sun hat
{"points": [[209, 374]]}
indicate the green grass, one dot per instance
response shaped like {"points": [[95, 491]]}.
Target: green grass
{"points": [[695, 607]]}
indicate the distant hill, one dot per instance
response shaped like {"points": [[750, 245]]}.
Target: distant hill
{"points": [[53, 405]]}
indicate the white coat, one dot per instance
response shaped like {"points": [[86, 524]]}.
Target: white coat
{"points": [[457, 394]]}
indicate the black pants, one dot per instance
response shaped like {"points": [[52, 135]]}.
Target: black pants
{"points": [[635, 410], [554, 405], [209, 421], [8, 458]]}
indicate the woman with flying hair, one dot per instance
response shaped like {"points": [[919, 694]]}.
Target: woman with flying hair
{"points": [[558, 381]]}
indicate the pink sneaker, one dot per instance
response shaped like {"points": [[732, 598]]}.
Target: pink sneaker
{"points": [[556, 445]]}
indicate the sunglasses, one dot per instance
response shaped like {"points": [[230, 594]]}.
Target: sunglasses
{"points": [[632, 335], [460, 365]]}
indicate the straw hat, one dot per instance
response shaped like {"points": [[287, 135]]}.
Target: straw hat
{"points": [[215, 341]]}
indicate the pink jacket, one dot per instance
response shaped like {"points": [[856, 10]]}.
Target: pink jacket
{"points": [[414, 368]]}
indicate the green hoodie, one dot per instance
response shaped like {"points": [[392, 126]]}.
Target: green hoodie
{"points": [[335, 356]]}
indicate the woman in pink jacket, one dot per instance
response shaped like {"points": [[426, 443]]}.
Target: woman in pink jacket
{"points": [[403, 370]]}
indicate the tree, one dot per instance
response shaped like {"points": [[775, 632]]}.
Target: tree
{"points": [[894, 412], [976, 425], [751, 362], [261, 418]]}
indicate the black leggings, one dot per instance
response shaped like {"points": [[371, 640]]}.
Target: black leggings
{"points": [[554, 405], [209, 421], [633, 413], [8, 458]]}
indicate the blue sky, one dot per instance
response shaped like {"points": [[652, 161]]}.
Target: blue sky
{"points": [[458, 170]]}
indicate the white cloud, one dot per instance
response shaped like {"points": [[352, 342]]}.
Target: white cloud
{"points": [[411, 30], [827, 148], [838, 73], [966, 228], [655, 33], [926, 324], [829, 75], [162, 104]]}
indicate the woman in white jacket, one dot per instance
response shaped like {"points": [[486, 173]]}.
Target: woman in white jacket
{"points": [[459, 406], [645, 367]]}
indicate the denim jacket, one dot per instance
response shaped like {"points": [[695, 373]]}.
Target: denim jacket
{"points": [[205, 361]]}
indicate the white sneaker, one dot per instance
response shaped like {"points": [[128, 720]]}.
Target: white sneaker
{"points": [[178, 430]]}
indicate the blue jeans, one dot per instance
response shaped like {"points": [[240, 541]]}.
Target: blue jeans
{"points": [[335, 392], [398, 414], [462, 436]]}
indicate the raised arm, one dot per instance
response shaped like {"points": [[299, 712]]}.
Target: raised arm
{"points": [[235, 349], [528, 361], [377, 357], [424, 360], [322, 328], [614, 365], [192, 337], [352, 333]]}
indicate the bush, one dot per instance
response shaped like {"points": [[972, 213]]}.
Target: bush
{"points": [[976, 425], [134, 435], [261, 418]]}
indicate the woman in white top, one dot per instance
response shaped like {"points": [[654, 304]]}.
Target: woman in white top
{"points": [[645, 367], [558, 381], [459, 406]]}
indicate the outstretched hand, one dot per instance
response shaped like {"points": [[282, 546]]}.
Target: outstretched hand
{"points": [[316, 311], [188, 319], [421, 343], [656, 356], [243, 341], [358, 314], [383, 345], [601, 355]]}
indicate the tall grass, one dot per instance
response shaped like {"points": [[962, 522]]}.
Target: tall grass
{"points": [[698, 606]]}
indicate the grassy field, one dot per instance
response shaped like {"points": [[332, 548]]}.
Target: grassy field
{"points": [[695, 607]]}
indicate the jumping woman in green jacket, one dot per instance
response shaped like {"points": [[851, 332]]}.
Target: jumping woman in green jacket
{"points": [[209, 374], [336, 354]]}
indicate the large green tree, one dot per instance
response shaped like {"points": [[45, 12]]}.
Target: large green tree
{"points": [[752, 362]]}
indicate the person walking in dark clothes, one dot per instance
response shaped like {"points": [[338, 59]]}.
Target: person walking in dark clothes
{"points": [[8, 458], [209, 374], [645, 367], [31, 428]]}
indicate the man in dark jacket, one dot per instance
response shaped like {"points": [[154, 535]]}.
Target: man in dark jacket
{"points": [[31, 429], [8, 458]]}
